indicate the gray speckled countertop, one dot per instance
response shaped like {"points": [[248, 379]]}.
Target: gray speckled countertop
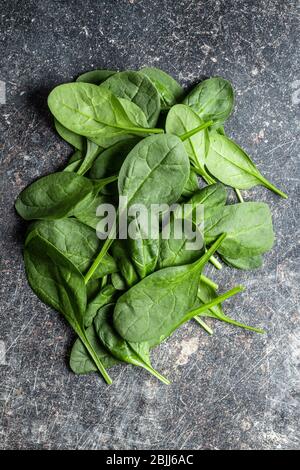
{"points": [[235, 390]]}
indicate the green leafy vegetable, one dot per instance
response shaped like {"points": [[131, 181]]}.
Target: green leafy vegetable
{"points": [[151, 308], [138, 89], [96, 113], [80, 360], [212, 99], [58, 283], [180, 120], [95, 76], [232, 166], [133, 353], [169, 90], [57, 195]]}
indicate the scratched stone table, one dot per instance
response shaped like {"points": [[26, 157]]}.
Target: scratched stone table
{"points": [[235, 390]]}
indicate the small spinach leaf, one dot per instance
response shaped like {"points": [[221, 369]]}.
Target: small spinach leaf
{"points": [[232, 166], [212, 99], [137, 88], [180, 120], [169, 90]]}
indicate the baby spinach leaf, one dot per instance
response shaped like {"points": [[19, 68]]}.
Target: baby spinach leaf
{"points": [[92, 151], [77, 242], [253, 262], [80, 360], [55, 196], [96, 113], [132, 353], [109, 162], [58, 195], [192, 184], [212, 99], [143, 251], [106, 296], [137, 88], [95, 76], [118, 281], [123, 261], [248, 226], [154, 172], [169, 90], [232, 166], [74, 139], [211, 197], [74, 162], [206, 294], [150, 309], [180, 120], [58, 283], [173, 251], [87, 215]]}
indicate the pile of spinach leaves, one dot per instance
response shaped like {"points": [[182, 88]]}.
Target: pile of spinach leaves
{"points": [[138, 134]]}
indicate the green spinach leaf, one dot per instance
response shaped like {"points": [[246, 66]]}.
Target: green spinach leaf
{"points": [[212, 99], [151, 308], [138, 89], [169, 90], [95, 76], [96, 113], [232, 166], [132, 353], [58, 283]]}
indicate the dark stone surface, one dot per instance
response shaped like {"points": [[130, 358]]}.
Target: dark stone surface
{"points": [[235, 390]]}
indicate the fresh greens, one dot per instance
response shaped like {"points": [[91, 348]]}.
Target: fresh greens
{"points": [[169, 90], [97, 113], [212, 99], [126, 294], [232, 166]]}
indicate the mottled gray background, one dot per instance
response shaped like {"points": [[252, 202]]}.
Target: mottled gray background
{"points": [[235, 390]]}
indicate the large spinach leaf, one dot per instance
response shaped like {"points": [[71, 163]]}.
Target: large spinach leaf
{"points": [[58, 195], [77, 242], [132, 353], [150, 309]]}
